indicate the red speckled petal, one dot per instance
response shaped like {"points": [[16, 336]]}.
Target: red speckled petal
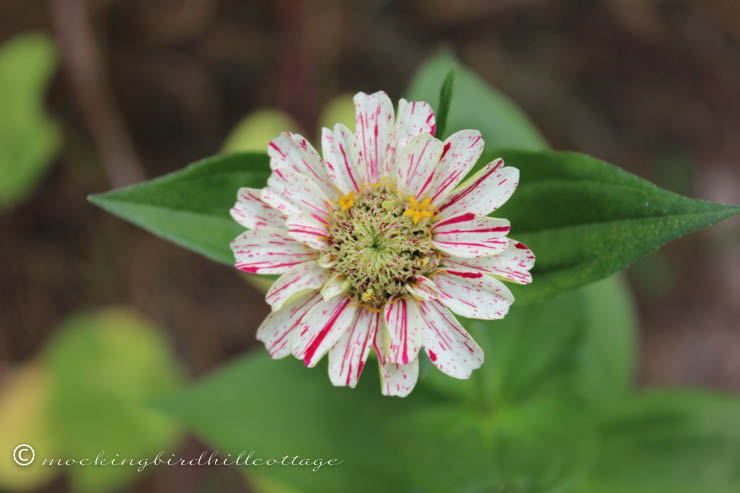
{"points": [[460, 153], [373, 124], [347, 357], [252, 213], [340, 157], [321, 328], [268, 251], [399, 380], [414, 118], [308, 230], [485, 192], [405, 328], [416, 165], [423, 289], [302, 277], [300, 191], [468, 235], [294, 151], [276, 330], [474, 294], [448, 345], [513, 264]]}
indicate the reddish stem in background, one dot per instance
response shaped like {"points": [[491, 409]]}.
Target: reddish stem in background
{"points": [[89, 81], [294, 60]]}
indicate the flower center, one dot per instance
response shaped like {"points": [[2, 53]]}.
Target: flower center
{"points": [[378, 246]]}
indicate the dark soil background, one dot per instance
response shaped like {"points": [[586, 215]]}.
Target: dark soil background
{"points": [[651, 86]]}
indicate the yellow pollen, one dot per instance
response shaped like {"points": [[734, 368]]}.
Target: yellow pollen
{"points": [[368, 295], [347, 201], [419, 210]]}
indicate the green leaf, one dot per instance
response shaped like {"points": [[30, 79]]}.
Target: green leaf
{"points": [[420, 443], [541, 446], [445, 97], [191, 207], [287, 409], [28, 138], [477, 106], [669, 442], [585, 219], [103, 369], [578, 345]]}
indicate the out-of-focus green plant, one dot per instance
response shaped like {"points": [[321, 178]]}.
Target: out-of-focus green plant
{"points": [[546, 411], [255, 131], [88, 393], [29, 139]]}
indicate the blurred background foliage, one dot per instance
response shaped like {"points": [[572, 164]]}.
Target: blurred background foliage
{"points": [[146, 87]]}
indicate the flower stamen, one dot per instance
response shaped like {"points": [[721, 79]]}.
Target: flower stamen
{"points": [[419, 210], [346, 201]]}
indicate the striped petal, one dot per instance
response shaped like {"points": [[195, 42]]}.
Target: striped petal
{"points": [[340, 157], [485, 192], [309, 230], [468, 235], [448, 345], [513, 264], [321, 328], [300, 191], [405, 328], [268, 251], [415, 168], [274, 199], [414, 118], [423, 289], [251, 212], [374, 120], [474, 294], [276, 330], [347, 357], [396, 380], [301, 277], [294, 151], [460, 153]]}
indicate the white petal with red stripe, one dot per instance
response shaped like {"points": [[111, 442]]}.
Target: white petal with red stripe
{"points": [[414, 118], [485, 192], [294, 151], [513, 264], [423, 289], [251, 212], [281, 204], [301, 277], [460, 152], [448, 345], [468, 235], [415, 167], [347, 357], [396, 380], [308, 230], [373, 124], [300, 191], [321, 328], [474, 294], [277, 329], [340, 158], [405, 329], [268, 251], [399, 380]]}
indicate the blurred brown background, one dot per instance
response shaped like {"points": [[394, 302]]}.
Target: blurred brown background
{"points": [[651, 86]]}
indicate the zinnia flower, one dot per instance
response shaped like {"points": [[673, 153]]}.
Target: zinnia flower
{"points": [[377, 245]]}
